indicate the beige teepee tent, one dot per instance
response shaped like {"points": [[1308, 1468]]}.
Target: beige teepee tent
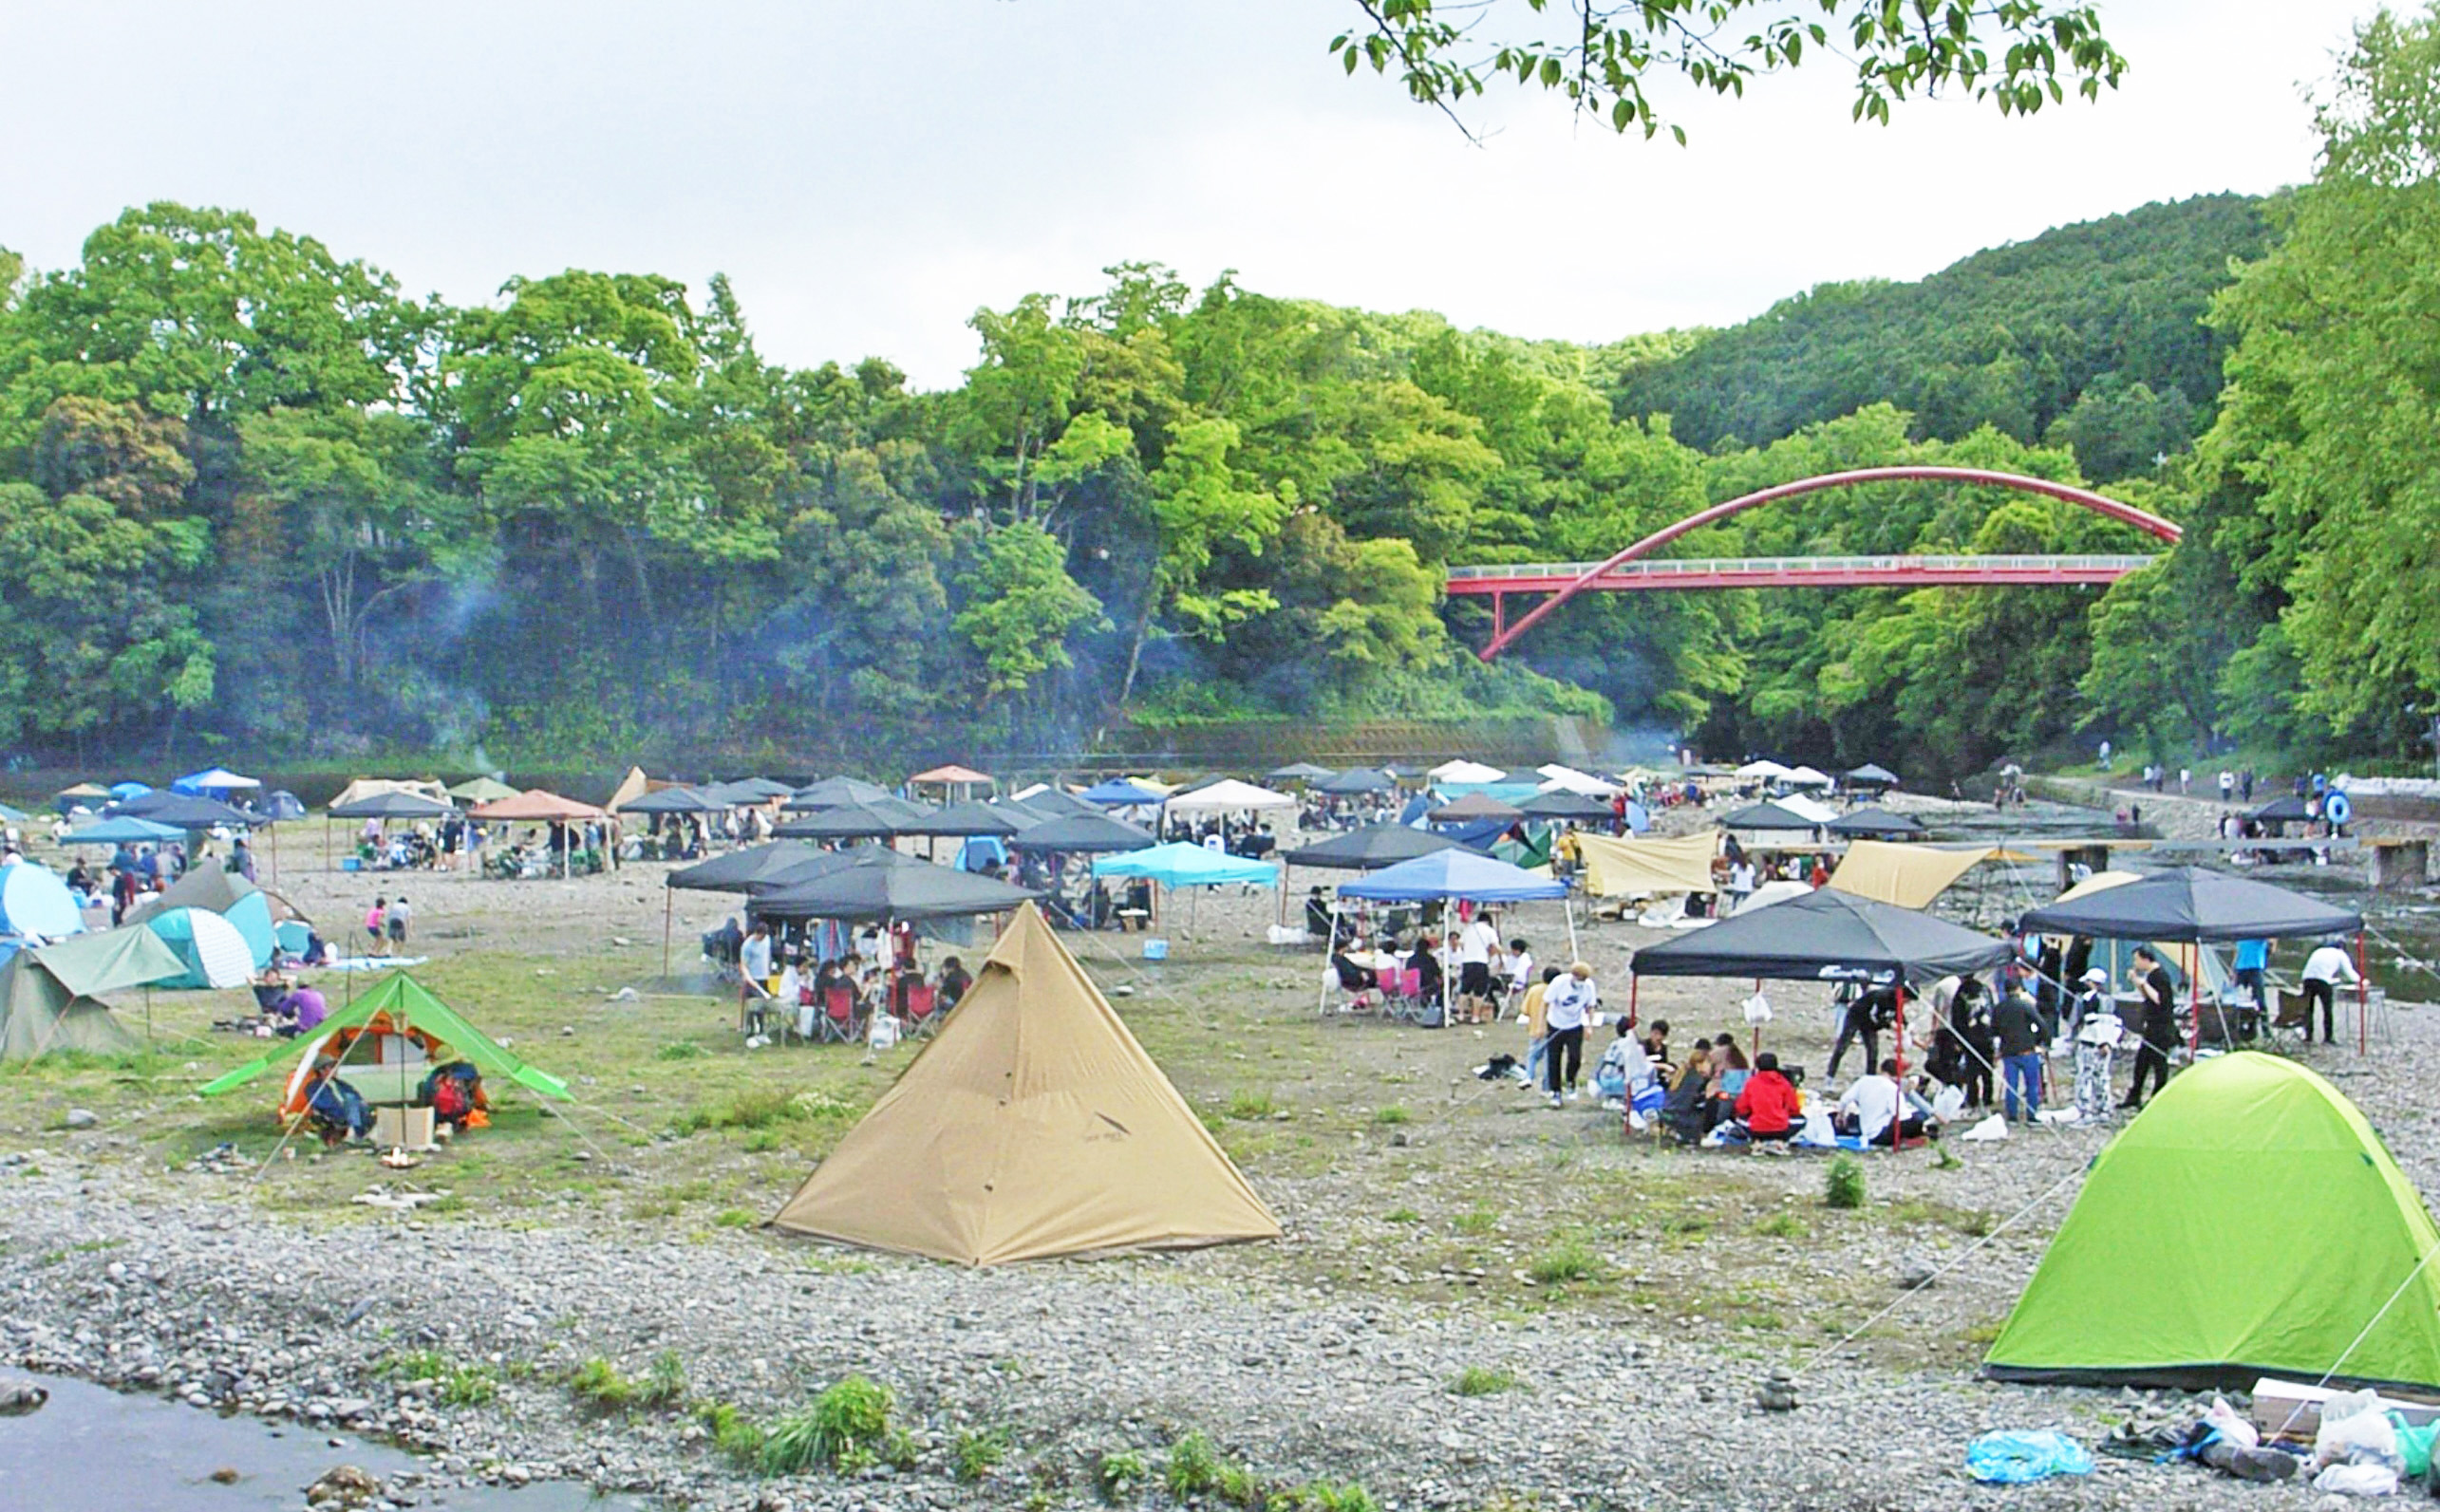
{"points": [[1033, 1126]]}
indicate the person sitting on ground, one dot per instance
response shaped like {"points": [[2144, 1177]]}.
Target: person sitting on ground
{"points": [[1425, 963], [301, 1011], [1730, 1070], [1770, 1107], [1623, 1072], [455, 1094], [1656, 1050], [1683, 1113], [1869, 1112]]}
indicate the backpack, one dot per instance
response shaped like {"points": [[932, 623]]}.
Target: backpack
{"points": [[449, 1100]]}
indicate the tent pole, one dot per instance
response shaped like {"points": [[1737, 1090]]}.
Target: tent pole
{"points": [[1898, 1128], [1329, 948], [1568, 906], [668, 904], [2363, 997]]}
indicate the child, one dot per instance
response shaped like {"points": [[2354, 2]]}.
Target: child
{"points": [[374, 919]]}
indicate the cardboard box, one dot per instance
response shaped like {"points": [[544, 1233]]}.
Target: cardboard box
{"points": [[402, 1127], [2292, 1410]]}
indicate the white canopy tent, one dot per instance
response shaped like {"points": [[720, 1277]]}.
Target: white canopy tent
{"points": [[1557, 779], [1465, 770], [1229, 795], [1813, 809], [1766, 769], [1810, 777]]}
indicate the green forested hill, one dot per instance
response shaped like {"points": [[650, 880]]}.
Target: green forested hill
{"points": [[2062, 330]]}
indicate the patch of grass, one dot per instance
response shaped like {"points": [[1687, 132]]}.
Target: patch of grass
{"points": [[1316, 1496], [458, 1385], [733, 1434], [1391, 1114], [847, 1428], [734, 1218], [1842, 1182], [1246, 1107], [1194, 1467], [1945, 1158], [1402, 1215], [1477, 1220], [1479, 1380], [1118, 1475], [599, 1383], [760, 1108], [664, 1381], [681, 1050], [1781, 1225], [1239, 1486], [978, 1452], [1569, 1259]]}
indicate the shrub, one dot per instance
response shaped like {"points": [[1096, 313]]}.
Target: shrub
{"points": [[979, 1452], [1843, 1184], [848, 1428], [1568, 1260], [1194, 1467], [1119, 1475], [1478, 1380]]}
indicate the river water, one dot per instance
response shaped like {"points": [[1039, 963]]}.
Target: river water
{"points": [[92, 1449]]}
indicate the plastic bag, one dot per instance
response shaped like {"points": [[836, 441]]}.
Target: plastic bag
{"points": [[2362, 1437], [1757, 1010], [2232, 1425], [2413, 1443], [1947, 1103], [2013, 1458], [2357, 1479], [1990, 1128]]}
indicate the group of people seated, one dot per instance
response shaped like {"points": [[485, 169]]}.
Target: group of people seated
{"points": [[337, 1113], [875, 990]]}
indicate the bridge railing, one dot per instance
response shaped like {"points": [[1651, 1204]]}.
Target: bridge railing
{"points": [[1772, 566]]}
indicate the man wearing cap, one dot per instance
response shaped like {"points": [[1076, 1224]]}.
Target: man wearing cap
{"points": [[1564, 1008]]}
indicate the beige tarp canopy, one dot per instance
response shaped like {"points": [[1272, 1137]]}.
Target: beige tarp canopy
{"points": [[1615, 867], [1034, 1125], [49, 998], [1909, 875], [631, 787], [374, 787]]}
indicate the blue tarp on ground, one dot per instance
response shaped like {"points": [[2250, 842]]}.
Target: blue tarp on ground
{"points": [[1181, 864], [33, 901], [1454, 874]]}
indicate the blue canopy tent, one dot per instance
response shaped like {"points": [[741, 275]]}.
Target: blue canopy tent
{"points": [[214, 782], [1118, 793], [1455, 876], [123, 790], [1182, 864], [11, 816], [126, 830]]}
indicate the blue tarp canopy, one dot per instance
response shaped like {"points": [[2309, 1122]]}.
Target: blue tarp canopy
{"points": [[125, 829], [213, 782], [1511, 794], [123, 790], [1454, 873], [1181, 864], [1118, 793]]}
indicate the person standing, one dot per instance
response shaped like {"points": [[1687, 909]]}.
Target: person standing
{"points": [[375, 918], [2097, 1032], [1535, 1016], [2253, 961], [1566, 1006], [395, 922], [2017, 1027], [2159, 1031], [1477, 942], [1866, 1015], [2228, 786], [2324, 970]]}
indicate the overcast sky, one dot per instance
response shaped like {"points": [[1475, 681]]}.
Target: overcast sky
{"points": [[869, 173]]}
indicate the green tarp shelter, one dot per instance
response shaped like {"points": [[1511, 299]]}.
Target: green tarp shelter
{"points": [[2248, 1223], [50, 998], [405, 1003]]}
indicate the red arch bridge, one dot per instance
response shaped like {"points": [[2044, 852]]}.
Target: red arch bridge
{"points": [[1628, 572]]}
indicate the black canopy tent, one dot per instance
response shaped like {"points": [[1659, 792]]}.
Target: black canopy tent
{"points": [[676, 800], [1878, 824], [1768, 816], [1056, 803], [781, 862], [2191, 906], [1354, 781], [1474, 806], [1825, 936], [971, 818], [1370, 849], [1564, 804], [1082, 835], [881, 886], [846, 821], [383, 807], [832, 792], [1870, 775], [1298, 772]]}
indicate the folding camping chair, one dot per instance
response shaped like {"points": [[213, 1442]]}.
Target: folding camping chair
{"points": [[921, 1015], [2293, 1014], [836, 1024]]}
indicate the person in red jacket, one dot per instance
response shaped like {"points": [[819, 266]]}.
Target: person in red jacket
{"points": [[1769, 1107]]}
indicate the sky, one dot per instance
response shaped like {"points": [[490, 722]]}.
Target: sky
{"points": [[869, 174]]}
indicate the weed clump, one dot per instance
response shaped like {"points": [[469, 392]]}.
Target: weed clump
{"points": [[1842, 1182]]}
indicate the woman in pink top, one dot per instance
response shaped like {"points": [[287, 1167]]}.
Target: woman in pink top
{"points": [[374, 917]]}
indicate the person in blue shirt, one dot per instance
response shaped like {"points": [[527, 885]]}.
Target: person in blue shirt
{"points": [[2253, 960]]}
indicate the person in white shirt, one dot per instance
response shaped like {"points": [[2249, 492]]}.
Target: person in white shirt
{"points": [[1870, 1110], [1566, 1004], [1476, 944], [1741, 882], [2324, 970], [1518, 964]]}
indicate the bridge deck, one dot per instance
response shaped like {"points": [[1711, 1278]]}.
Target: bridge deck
{"points": [[1690, 573]]}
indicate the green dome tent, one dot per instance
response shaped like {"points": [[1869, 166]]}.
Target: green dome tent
{"points": [[2248, 1223], [50, 998]]}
